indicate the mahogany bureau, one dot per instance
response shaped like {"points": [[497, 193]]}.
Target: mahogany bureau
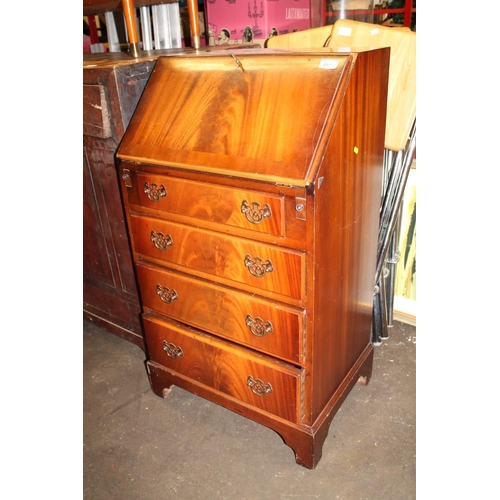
{"points": [[251, 184]]}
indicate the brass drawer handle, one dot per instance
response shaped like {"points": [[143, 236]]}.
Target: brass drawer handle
{"points": [[254, 213], [161, 240], [258, 326], [165, 294], [172, 350], [257, 266], [154, 191], [258, 386]]}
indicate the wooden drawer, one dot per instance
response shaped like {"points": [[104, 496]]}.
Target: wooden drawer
{"points": [[263, 382], [266, 326], [260, 212], [240, 260]]}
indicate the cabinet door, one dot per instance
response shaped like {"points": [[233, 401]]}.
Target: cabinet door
{"points": [[109, 287]]}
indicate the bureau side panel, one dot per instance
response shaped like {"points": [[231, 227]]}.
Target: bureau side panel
{"points": [[346, 217]]}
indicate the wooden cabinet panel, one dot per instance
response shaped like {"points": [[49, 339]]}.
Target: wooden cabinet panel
{"points": [[96, 119], [109, 287], [111, 91], [239, 121], [275, 329], [302, 133], [263, 382], [264, 267], [256, 211], [95, 253]]}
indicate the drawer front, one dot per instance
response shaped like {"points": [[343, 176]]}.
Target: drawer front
{"points": [[265, 383], [268, 327], [260, 212], [237, 259]]}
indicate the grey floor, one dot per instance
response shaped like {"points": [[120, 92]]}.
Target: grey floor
{"points": [[139, 446]]}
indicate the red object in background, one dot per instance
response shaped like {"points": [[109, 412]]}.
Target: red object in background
{"points": [[94, 36], [407, 10], [86, 44]]}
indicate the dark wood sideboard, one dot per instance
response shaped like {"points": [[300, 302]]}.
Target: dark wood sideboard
{"points": [[112, 86]]}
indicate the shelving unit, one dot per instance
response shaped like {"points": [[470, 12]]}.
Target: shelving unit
{"points": [[366, 11]]}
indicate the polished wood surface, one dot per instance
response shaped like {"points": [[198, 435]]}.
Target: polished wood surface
{"points": [[236, 315], [234, 207], [244, 123], [225, 367], [237, 260], [310, 300]]}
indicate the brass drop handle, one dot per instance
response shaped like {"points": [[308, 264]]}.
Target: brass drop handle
{"points": [[259, 387], [155, 192], [257, 267], [254, 213], [258, 326], [165, 294], [172, 350], [161, 241]]}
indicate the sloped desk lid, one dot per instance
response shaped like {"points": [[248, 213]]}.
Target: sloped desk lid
{"points": [[261, 116]]}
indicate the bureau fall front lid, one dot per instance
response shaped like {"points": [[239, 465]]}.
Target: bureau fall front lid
{"points": [[262, 116]]}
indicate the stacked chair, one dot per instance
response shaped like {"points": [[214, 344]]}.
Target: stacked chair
{"points": [[400, 137]]}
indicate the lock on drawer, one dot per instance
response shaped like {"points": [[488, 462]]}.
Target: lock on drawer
{"points": [[260, 212], [263, 382]]}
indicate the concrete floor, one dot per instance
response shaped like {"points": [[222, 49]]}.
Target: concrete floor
{"points": [[139, 446]]}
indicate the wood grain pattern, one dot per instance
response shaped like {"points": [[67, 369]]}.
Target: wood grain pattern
{"points": [[198, 251], [345, 209], [325, 170], [223, 311], [222, 118], [213, 202], [226, 367], [294, 228], [96, 119]]}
